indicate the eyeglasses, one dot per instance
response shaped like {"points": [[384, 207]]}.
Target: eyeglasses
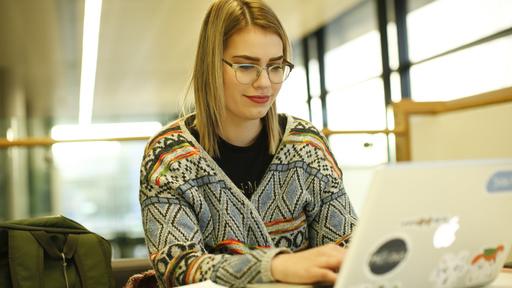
{"points": [[249, 73]]}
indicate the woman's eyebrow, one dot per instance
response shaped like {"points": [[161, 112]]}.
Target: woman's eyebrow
{"points": [[276, 58], [256, 59]]}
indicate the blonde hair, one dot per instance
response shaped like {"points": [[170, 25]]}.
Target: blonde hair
{"points": [[223, 19]]}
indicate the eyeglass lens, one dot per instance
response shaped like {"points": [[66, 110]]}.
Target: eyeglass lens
{"points": [[247, 74]]}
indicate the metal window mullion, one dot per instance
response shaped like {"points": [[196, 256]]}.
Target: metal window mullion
{"points": [[320, 41], [382, 18], [305, 46], [386, 70], [403, 49]]}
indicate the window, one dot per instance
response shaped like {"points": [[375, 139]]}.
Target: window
{"points": [[353, 62], [95, 183], [293, 97], [354, 95], [471, 71], [448, 62], [443, 25], [358, 107], [452, 49]]}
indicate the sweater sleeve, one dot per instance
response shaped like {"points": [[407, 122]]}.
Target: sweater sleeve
{"points": [[331, 215], [334, 221], [179, 256]]}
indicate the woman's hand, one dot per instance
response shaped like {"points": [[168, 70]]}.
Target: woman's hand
{"points": [[309, 266]]}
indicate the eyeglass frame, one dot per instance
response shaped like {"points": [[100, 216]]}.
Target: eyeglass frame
{"points": [[235, 66]]}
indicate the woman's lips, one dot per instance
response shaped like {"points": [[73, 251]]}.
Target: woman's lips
{"points": [[260, 99]]}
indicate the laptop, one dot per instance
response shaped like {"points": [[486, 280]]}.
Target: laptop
{"points": [[432, 224]]}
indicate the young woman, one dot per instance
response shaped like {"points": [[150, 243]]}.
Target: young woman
{"points": [[235, 192]]}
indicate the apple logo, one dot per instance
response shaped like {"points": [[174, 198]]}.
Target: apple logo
{"points": [[445, 233]]}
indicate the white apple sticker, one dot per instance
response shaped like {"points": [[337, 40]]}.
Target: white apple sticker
{"points": [[445, 233]]}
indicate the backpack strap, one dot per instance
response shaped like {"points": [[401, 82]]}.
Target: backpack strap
{"points": [[67, 251], [98, 266], [24, 267], [92, 268], [48, 245]]}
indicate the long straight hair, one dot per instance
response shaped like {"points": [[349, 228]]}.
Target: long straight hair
{"points": [[223, 19]]}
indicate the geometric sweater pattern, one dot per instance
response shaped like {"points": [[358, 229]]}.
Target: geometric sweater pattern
{"points": [[199, 226]]}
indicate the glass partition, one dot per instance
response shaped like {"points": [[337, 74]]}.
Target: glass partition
{"points": [[95, 183]]}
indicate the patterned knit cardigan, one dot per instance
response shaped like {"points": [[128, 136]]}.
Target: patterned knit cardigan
{"points": [[199, 225]]}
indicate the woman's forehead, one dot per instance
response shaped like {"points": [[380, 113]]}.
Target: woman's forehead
{"points": [[254, 42]]}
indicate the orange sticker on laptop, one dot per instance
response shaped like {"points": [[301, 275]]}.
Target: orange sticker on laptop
{"points": [[484, 265]]}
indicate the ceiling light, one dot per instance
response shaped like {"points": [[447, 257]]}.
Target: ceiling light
{"points": [[92, 17]]}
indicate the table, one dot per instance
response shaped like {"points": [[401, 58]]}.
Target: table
{"points": [[504, 280]]}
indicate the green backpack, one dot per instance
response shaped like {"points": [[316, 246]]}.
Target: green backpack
{"points": [[53, 252]]}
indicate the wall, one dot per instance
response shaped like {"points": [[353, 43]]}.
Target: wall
{"points": [[480, 132]]}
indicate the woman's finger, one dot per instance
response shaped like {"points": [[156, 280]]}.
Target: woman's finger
{"points": [[309, 266]]}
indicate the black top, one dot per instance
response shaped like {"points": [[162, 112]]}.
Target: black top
{"points": [[245, 166]]}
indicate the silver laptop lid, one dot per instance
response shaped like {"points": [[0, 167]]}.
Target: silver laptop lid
{"points": [[432, 224]]}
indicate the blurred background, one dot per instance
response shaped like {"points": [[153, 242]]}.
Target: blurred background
{"points": [[83, 84]]}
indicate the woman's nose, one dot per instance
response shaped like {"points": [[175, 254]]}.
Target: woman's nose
{"points": [[263, 80]]}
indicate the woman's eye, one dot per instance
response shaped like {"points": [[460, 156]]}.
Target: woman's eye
{"points": [[246, 67]]}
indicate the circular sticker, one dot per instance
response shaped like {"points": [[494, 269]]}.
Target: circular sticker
{"points": [[388, 256]]}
